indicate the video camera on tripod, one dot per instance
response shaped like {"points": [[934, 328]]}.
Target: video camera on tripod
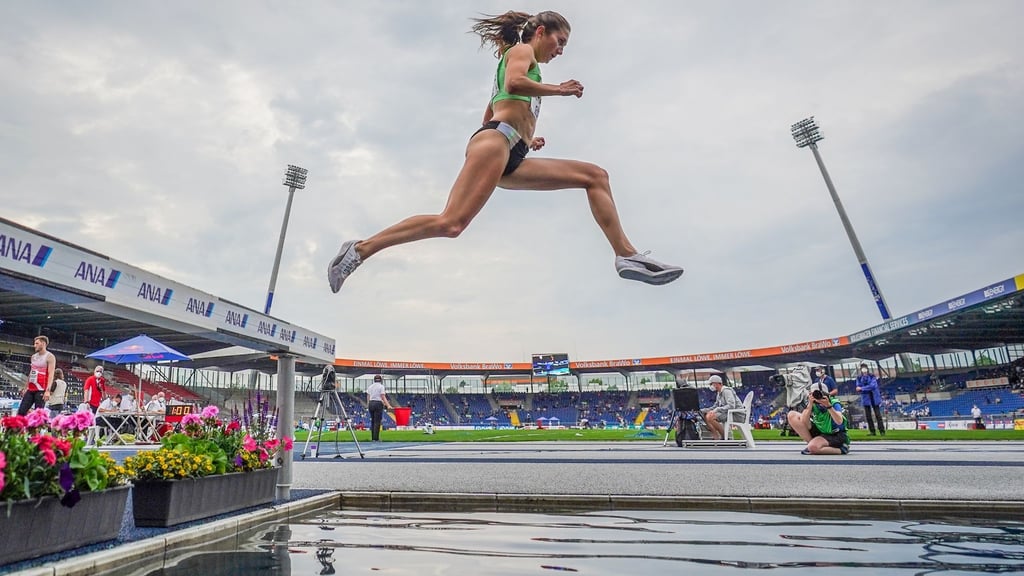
{"points": [[328, 395], [328, 381], [796, 380]]}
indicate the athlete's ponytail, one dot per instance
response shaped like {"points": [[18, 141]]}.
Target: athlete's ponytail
{"points": [[511, 28]]}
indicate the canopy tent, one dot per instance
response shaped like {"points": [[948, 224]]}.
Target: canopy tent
{"points": [[138, 350]]}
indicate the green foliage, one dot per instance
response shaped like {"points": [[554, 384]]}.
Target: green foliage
{"points": [[984, 360], [201, 446], [93, 469], [555, 386], [629, 435]]}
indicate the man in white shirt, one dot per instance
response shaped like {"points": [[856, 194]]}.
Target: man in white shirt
{"points": [[976, 414], [128, 403], [111, 404], [157, 403], [377, 399]]}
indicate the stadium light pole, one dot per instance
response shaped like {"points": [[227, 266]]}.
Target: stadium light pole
{"points": [[807, 134], [294, 179]]}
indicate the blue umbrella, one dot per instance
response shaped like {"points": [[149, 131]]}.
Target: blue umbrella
{"points": [[137, 350]]}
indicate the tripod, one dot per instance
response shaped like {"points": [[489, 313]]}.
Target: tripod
{"points": [[325, 396]]}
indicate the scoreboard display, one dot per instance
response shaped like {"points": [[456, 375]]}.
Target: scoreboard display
{"points": [[175, 412]]}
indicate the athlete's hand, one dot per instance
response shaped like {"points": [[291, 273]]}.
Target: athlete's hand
{"points": [[537, 144], [570, 88]]}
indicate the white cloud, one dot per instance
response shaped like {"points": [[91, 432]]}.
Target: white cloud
{"points": [[158, 134]]}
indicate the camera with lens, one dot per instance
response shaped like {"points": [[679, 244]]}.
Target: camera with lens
{"points": [[817, 395], [327, 379]]}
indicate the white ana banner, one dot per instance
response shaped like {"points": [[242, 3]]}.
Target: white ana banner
{"points": [[33, 255]]}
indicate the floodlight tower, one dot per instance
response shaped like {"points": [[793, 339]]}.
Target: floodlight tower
{"points": [[294, 179], [807, 135]]}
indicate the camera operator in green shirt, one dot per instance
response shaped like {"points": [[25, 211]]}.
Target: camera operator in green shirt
{"points": [[822, 423]]}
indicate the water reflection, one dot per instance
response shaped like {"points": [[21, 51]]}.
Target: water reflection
{"points": [[612, 543]]}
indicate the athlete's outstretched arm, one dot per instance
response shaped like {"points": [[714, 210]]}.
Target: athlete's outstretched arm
{"points": [[518, 63]]}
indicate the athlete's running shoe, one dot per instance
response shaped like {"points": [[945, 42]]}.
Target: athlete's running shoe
{"points": [[643, 268], [344, 263]]}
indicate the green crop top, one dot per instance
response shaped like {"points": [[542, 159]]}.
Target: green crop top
{"points": [[498, 93]]}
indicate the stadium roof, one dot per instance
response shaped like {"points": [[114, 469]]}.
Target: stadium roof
{"points": [[47, 284], [989, 317]]}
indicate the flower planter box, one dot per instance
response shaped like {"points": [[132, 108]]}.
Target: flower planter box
{"points": [[42, 526], [170, 502]]}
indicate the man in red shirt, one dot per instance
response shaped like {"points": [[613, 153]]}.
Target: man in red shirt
{"points": [[95, 389]]}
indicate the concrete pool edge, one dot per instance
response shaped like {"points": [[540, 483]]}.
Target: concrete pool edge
{"points": [[178, 541], [875, 508], [173, 541]]}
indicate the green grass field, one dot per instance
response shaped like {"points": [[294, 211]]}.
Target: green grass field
{"points": [[633, 435]]}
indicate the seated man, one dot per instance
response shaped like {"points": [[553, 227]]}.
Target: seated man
{"points": [[128, 403], [822, 423], [108, 415], [111, 404], [157, 404], [725, 400]]}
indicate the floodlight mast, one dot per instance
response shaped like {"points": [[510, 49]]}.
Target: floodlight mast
{"points": [[294, 179], [807, 134]]}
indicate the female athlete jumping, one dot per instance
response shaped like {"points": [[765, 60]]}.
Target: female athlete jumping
{"points": [[496, 154]]}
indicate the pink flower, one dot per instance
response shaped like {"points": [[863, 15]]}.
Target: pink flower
{"points": [[38, 417], [210, 412], [234, 425], [191, 419], [3, 464], [271, 445], [287, 443], [49, 456], [1, 480], [63, 423], [249, 444], [263, 456], [84, 420]]}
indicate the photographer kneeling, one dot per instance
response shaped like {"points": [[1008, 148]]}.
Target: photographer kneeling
{"points": [[822, 423]]}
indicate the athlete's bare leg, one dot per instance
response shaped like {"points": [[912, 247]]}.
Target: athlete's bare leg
{"points": [[486, 156], [556, 174]]}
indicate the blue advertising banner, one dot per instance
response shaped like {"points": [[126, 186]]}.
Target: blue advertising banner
{"points": [[949, 306]]}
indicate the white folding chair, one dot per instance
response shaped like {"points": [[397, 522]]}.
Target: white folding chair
{"points": [[740, 419]]}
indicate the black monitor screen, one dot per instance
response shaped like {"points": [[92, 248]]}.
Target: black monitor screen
{"points": [[686, 399], [544, 364]]}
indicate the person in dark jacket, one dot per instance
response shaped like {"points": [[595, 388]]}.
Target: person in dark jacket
{"points": [[871, 398]]}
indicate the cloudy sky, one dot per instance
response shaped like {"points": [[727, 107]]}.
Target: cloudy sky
{"points": [[157, 133]]}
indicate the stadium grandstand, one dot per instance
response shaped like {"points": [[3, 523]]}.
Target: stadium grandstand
{"points": [[935, 364]]}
